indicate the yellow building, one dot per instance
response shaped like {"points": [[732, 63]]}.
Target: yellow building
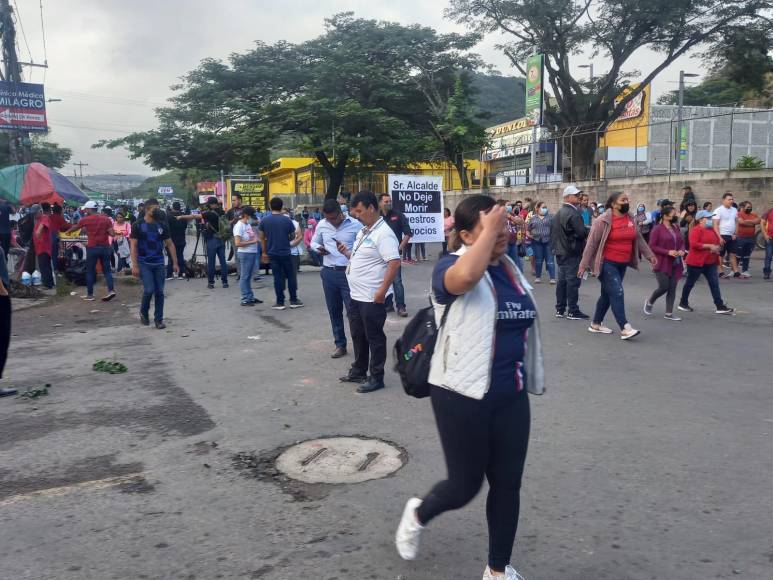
{"points": [[627, 138], [289, 176]]}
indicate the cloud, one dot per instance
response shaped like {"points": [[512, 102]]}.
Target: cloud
{"points": [[111, 62]]}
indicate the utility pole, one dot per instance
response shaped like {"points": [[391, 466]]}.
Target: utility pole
{"points": [[19, 141], [679, 115], [80, 165]]}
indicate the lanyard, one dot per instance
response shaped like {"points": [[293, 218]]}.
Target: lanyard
{"points": [[365, 237]]}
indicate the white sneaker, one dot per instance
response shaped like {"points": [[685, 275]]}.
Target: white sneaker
{"points": [[409, 531], [510, 574], [600, 330], [745, 275], [629, 332]]}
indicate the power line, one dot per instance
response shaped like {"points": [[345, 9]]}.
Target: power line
{"points": [[21, 26], [45, 51]]}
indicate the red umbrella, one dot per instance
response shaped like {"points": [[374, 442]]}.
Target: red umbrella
{"points": [[36, 183]]}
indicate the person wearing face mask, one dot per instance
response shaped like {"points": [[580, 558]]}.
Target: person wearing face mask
{"points": [[614, 245], [643, 221], [539, 226], [744, 243], [704, 259], [246, 242], [482, 411], [668, 244]]}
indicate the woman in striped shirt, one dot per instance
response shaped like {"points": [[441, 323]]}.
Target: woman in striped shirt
{"points": [[539, 231]]}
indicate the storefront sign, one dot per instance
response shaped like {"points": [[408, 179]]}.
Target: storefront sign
{"points": [[534, 89], [254, 192], [22, 107], [420, 198], [165, 190]]}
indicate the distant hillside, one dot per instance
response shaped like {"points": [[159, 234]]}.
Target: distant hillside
{"points": [[501, 97], [110, 183], [182, 182]]}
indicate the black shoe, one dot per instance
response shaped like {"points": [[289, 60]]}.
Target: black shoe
{"points": [[560, 314], [211, 285], [339, 352], [256, 301], [724, 309], [278, 306], [402, 312], [578, 315], [160, 324], [296, 304], [685, 308], [8, 392], [248, 303], [766, 276], [371, 385], [737, 275], [144, 320], [350, 378], [225, 284], [390, 307]]}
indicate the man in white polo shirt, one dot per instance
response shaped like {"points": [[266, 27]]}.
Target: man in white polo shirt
{"points": [[726, 227], [373, 264]]}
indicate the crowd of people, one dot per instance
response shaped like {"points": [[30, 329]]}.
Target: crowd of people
{"points": [[481, 295]]}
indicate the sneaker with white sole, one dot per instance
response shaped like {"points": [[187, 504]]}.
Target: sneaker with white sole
{"points": [[686, 308], [409, 531], [647, 308], [510, 574], [600, 330], [724, 309], [629, 332], [672, 317], [538, 280], [745, 275]]}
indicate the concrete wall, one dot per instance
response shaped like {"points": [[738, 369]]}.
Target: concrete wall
{"points": [[755, 186]]}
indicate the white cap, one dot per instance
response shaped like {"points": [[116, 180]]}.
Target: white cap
{"points": [[571, 190], [91, 204]]}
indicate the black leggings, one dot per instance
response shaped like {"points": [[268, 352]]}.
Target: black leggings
{"points": [[666, 285], [5, 330], [490, 438]]}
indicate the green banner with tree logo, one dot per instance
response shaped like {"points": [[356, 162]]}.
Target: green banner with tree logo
{"points": [[534, 89]]}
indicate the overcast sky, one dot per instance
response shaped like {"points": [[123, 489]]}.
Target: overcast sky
{"points": [[112, 61]]}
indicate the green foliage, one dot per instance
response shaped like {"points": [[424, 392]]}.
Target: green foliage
{"points": [[46, 152], [750, 162], [498, 99], [182, 180], [365, 92], [614, 29]]}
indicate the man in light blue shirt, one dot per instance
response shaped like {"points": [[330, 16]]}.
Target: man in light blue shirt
{"points": [[335, 228]]}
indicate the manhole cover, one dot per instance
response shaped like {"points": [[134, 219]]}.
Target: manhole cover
{"points": [[340, 460]]}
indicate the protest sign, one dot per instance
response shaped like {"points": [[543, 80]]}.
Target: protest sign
{"points": [[420, 198]]}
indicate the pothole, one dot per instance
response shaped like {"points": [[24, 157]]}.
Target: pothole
{"points": [[340, 460]]}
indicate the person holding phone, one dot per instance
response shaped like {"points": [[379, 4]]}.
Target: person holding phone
{"points": [[374, 261], [335, 228]]}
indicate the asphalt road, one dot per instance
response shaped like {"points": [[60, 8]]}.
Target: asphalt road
{"points": [[649, 459]]}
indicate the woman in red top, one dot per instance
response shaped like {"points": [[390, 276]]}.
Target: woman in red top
{"points": [[614, 244], [703, 258]]}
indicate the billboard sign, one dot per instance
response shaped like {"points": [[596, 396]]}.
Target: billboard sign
{"points": [[420, 198], [254, 192], [534, 89], [22, 107], [166, 190]]}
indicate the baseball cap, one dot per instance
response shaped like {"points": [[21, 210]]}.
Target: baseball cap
{"points": [[571, 190], [35, 208], [91, 204], [703, 214]]}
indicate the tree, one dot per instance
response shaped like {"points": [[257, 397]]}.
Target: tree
{"points": [[46, 152], [459, 131], [615, 29], [738, 61]]}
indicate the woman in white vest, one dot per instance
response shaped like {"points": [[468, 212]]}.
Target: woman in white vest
{"points": [[487, 355]]}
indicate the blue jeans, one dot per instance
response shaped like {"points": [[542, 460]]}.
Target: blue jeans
{"points": [[216, 248], [711, 274], [101, 254], [512, 251], [611, 278], [543, 253], [398, 288], [153, 277], [180, 253], [743, 250], [337, 297], [282, 269], [249, 262], [768, 256]]}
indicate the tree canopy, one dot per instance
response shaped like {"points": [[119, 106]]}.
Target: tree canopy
{"points": [[44, 151], [365, 92], [614, 29]]}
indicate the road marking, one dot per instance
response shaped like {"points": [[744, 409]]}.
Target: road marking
{"points": [[68, 489]]}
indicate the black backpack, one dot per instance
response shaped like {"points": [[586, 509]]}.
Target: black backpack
{"points": [[413, 351]]}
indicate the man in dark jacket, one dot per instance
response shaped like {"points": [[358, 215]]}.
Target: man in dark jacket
{"points": [[568, 240]]}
